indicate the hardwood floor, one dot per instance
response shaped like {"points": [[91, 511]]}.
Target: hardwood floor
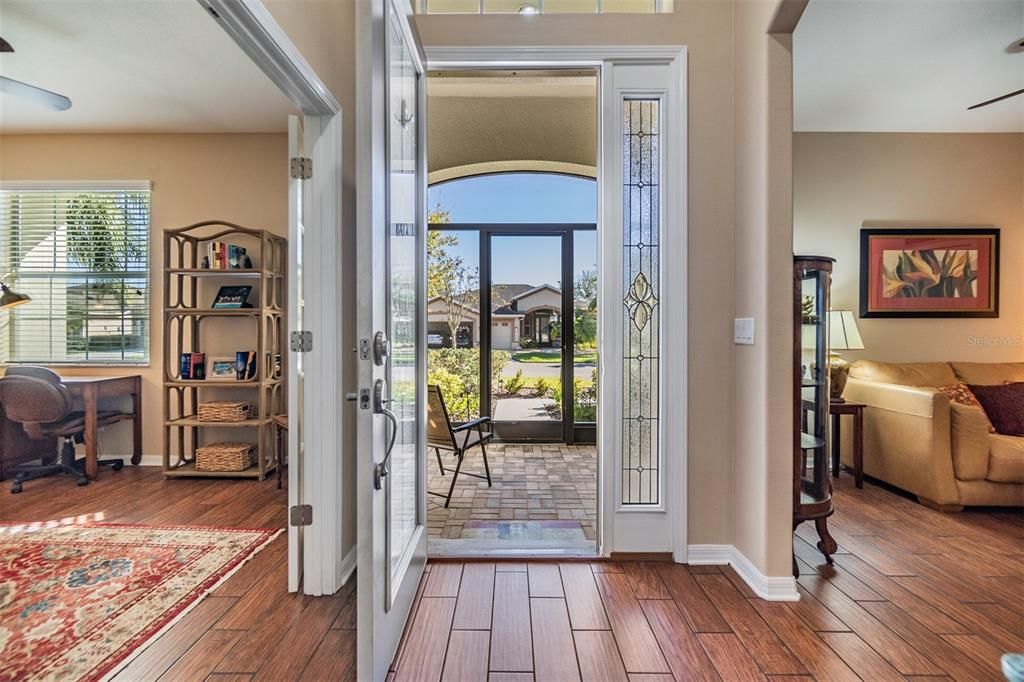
{"points": [[913, 593], [249, 628]]}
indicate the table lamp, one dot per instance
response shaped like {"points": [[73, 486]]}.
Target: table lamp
{"points": [[842, 335]]}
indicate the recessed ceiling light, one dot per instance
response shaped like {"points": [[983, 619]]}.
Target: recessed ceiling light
{"points": [[528, 9]]}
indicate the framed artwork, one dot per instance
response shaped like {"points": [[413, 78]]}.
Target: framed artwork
{"points": [[929, 272], [221, 369], [233, 297]]}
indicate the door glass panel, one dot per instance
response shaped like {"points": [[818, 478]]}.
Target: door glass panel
{"points": [[585, 326], [526, 328], [453, 318], [403, 490], [641, 316]]}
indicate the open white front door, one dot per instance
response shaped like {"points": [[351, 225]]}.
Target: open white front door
{"points": [[391, 244]]}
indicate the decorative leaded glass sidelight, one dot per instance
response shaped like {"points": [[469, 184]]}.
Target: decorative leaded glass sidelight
{"points": [[641, 339]]}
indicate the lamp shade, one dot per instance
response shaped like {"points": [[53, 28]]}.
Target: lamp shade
{"points": [[9, 299], [842, 331]]}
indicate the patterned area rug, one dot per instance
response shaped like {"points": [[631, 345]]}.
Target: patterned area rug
{"points": [[78, 601]]}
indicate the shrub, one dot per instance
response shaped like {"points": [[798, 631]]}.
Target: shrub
{"points": [[515, 383], [546, 387]]}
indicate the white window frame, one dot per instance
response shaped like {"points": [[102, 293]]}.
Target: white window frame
{"points": [[660, 7], [86, 186]]}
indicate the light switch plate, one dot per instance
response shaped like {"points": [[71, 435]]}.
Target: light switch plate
{"points": [[744, 331]]}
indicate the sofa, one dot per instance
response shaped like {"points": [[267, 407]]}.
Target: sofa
{"points": [[942, 452]]}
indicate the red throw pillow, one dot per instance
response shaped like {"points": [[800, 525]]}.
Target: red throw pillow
{"points": [[961, 394], [1004, 406]]}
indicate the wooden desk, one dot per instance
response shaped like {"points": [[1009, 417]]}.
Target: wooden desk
{"points": [[837, 409], [90, 390]]}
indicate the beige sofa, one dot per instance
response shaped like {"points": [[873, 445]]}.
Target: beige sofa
{"points": [[943, 453]]}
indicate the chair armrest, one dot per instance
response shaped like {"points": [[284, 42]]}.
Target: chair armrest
{"points": [[473, 424], [910, 400]]}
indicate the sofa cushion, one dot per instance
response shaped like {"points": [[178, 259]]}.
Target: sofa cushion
{"points": [[971, 442], [1004, 406], [1006, 460], [961, 395], [931, 374], [988, 373]]}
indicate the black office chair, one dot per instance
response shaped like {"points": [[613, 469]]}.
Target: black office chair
{"points": [[35, 398], [441, 435]]}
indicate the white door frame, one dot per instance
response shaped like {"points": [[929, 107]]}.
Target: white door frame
{"points": [[673, 284], [248, 22]]}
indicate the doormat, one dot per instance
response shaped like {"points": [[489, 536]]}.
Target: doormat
{"points": [[77, 602]]}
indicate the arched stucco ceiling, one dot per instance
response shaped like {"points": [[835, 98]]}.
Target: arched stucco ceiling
{"points": [[542, 125]]}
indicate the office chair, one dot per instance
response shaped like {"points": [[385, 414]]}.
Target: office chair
{"points": [[35, 398]]}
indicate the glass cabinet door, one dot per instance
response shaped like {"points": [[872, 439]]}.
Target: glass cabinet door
{"points": [[813, 279]]}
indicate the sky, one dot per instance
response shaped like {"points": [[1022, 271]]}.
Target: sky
{"points": [[521, 198]]}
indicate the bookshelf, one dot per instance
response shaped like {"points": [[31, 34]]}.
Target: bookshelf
{"points": [[193, 325]]}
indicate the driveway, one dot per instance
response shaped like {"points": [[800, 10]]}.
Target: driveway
{"points": [[546, 370]]}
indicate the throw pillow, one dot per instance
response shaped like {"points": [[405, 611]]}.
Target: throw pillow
{"points": [[1004, 406], [961, 394]]}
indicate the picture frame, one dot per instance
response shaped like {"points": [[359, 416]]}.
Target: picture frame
{"points": [[232, 297], [221, 368], [929, 272]]}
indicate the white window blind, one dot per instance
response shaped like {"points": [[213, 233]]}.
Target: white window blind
{"points": [[81, 251], [544, 6]]}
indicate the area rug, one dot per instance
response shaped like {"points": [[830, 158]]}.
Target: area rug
{"points": [[78, 601]]}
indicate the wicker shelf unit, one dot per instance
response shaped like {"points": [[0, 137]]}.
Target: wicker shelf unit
{"points": [[191, 325]]}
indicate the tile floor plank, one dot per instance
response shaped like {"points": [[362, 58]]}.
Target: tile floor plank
{"points": [[424, 652], [443, 580], [554, 656], [511, 641], [730, 657], [864, 660], [644, 579], [599, 656], [683, 652], [586, 612], [476, 594], [637, 644], [289, 658], [699, 611], [545, 580], [812, 652], [334, 657], [202, 657], [466, 660]]}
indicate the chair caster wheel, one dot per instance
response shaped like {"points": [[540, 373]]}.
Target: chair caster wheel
{"points": [[117, 466], [16, 487], [82, 481]]}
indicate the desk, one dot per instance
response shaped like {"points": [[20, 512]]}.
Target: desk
{"points": [[90, 390], [837, 409]]}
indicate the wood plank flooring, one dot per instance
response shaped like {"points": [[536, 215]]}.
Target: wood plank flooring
{"points": [[913, 593]]}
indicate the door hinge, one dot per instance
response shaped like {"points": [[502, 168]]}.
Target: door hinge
{"points": [[301, 515], [301, 168], [302, 341]]}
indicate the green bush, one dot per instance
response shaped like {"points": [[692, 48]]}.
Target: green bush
{"points": [[515, 383], [546, 387]]}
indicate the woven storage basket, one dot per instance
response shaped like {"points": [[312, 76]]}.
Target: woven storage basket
{"points": [[224, 411], [225, 457]]}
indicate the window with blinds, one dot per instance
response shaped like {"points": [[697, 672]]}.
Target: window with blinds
{"points": [[544, 6], [81, 252]]}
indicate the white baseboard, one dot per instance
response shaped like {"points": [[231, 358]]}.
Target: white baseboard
{"points": [[146, 461], [348, 565], [769, 588]]}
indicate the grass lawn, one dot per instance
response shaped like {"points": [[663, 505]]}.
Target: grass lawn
{"points": [[553, 355]]}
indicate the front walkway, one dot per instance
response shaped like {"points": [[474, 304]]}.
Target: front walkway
{"points": [[552, 487]]}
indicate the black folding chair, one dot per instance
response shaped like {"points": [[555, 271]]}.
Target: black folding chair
{"points": [[441, 435]]}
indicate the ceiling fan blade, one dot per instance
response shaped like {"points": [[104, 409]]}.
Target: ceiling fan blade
{"points": [[50, 100], [996, 99]]}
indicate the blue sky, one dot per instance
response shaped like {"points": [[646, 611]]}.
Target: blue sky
{"points": [[521, 198]]}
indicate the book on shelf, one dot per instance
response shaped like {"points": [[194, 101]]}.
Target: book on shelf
{"points": [[193, 366], [224, 256]]}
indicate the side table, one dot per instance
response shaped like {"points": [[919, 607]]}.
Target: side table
{"points": [[837, 409]]}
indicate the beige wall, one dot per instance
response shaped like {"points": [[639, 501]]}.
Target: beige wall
{"points": [[762, 270], [843, 181], [238, 178]]}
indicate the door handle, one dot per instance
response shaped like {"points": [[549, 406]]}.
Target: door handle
{"points": [[381, 470]]}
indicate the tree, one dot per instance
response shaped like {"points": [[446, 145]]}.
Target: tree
{"points": [[447, 276], [585, 315]]}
